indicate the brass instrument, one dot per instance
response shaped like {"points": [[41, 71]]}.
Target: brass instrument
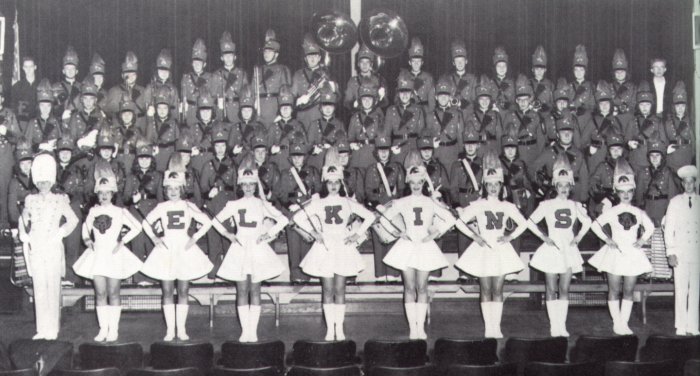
{"points": [[536, 105], [456, 101], [256, 79], [335, 32], [384, 33], [314, 90]]}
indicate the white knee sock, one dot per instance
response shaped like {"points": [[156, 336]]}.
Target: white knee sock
{"points": [[421, 314], [329, 315], [253, 320], [102, 313], [411, 318], [553, 319], [625, 312], [169, 314], [339, 320], [114, 316], [497, 308], [563, 312], [243, 314], [614, 308], [486, 314], [181, 315]]}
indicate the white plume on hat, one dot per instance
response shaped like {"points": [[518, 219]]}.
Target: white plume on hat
{"points": [[492, 168], [175, 174], [44, 169], [623, 177], [105, 180], [332, 168], [415, 170], [247, 171], [562, 171]]}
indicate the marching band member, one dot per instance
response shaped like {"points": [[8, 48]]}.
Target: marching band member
{"points": [[484, 118], [162, 130], [680, 131], [420, 82], [445, 125], [200, 132], [384, 181], [491, 256], [544, 88], [601, 182], [250, 259], [405, 119], [194, 83], [127, 128], [463, 83], [366, 124], [107, 261], [176, 256], [583, 100], [162, 82], [297, 184], [559, 256], [529, 133], [20, 185], [96, 74], [622, 257], [127, 89], [601, 125], [353, 177], [324, 132], [105, 152], [9, 135], [42, 233], [228, 81], [44, 130], [334, 255], [624, 91], [313, 78], [657, 184], [416, 253], [562, 96], [271, 77], [284, 130], [682, 240], [83, 125], [643, 128], [505, 87], [367, 77], [68, 91]]}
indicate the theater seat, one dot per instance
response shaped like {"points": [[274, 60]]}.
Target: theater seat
{"points": [[600, 350], [172, 355], [425, 370], [507, 369], [677, 349], [24, 353], [524, 350], [389, 353], [337, 371], [692, 368], [19, 372], [324, 354], [622, 368], [263, 371], [236, 355], [188, 371], [559, 369], [124, 356], [109, 371], [448, 351]]}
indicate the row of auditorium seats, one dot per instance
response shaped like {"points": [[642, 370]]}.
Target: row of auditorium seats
{"points": [[591, 355]]}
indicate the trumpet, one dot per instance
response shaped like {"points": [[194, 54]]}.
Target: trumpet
{"points": [[536, 105], [314, 90], [456, 101]]}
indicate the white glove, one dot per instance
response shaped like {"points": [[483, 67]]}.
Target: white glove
{"points": [[47, 146], [151, 111], [381, 208], [671, 148], [294, 207], [381, 92], [195, 151], [436, 143], [65, 115], [213, 192], [275, 149], [633, 144], [155, 150], [220, 102], [3, 129], [317, 150], [592, 149], [237, 149], [396, 149], [354, 146], [326, 146], [304, 99], [136, 197]]}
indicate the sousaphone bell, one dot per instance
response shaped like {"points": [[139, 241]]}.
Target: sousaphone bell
{"points": [[384, 33], [334, 32]]}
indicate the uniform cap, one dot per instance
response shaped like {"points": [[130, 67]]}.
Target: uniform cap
{"points": [[88, 88], [97, 65], [285, 96], [164, 59], [271, 42], [615, 140], [23, 151], [328, 97], [183, 143], [127, 104], [365, 53], [539, 58], [444, 87], [43, 91], [259, 142], [64, 143], [688, 171], [470, 135], [219, 134], [499, 54], [563, 90], [44, 168], [619, 60], [523, 86], [226, 43], [644, 93], [71, 57], [603, 91], [367, 91], [656, 146], [344, 147], [565, 122], [297, 148], [404, 85], [131, 63], [310, 46], [457, 49], [199, 50], [205, 100], [105, 139], [382, 142], [416, 48], [580, 56], [679, 93]]}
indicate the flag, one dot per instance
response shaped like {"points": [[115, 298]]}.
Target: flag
{"points": [[16, 66]]}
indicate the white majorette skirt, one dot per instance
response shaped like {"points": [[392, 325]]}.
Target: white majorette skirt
{"points": [[335, 257], [548, 259], [104, 263], [627, 261], [417, 255], [258, 260], [489, 262], [169, 264]]}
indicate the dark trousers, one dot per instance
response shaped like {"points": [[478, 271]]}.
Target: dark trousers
{"points": [[297, 248], [380, 250], [463, 242]]}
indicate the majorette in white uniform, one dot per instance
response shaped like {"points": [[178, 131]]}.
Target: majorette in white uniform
{"points": [[106, 255], [41, 232], [627, 259], [682, 236], [248, 256]]}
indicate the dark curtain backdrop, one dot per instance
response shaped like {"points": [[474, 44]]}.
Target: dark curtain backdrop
{"points": [[643, 28], [113, 27]]}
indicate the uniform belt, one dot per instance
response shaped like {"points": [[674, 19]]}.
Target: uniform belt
{"points": [[231, 100], [191, 102], [490, 138], [656, 197], [422, 103], [448, 143], [466, 190], [527, 143], [269, 95], [149, 196], [683, 142], [404, 136], [284, 147], [166, 144]]}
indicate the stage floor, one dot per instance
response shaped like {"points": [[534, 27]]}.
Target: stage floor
{"points": [[449, 319]]}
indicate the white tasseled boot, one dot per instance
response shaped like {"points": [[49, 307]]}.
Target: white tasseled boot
{"points": [[169, 314], [339, 320], [553, 319], [411, 318], [253, 320], [614, 308], [115, 313], [421, 313], [243, 317], [497, 310], [625, 312], [102, 313], [329, 315], [486, 314], [562, 313], [181, 316]]}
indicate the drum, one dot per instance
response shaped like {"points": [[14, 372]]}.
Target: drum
{"points": [[303, 233]]}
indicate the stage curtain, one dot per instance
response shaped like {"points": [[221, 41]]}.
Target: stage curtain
{"points": [[113, 27], [643, 28]]}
